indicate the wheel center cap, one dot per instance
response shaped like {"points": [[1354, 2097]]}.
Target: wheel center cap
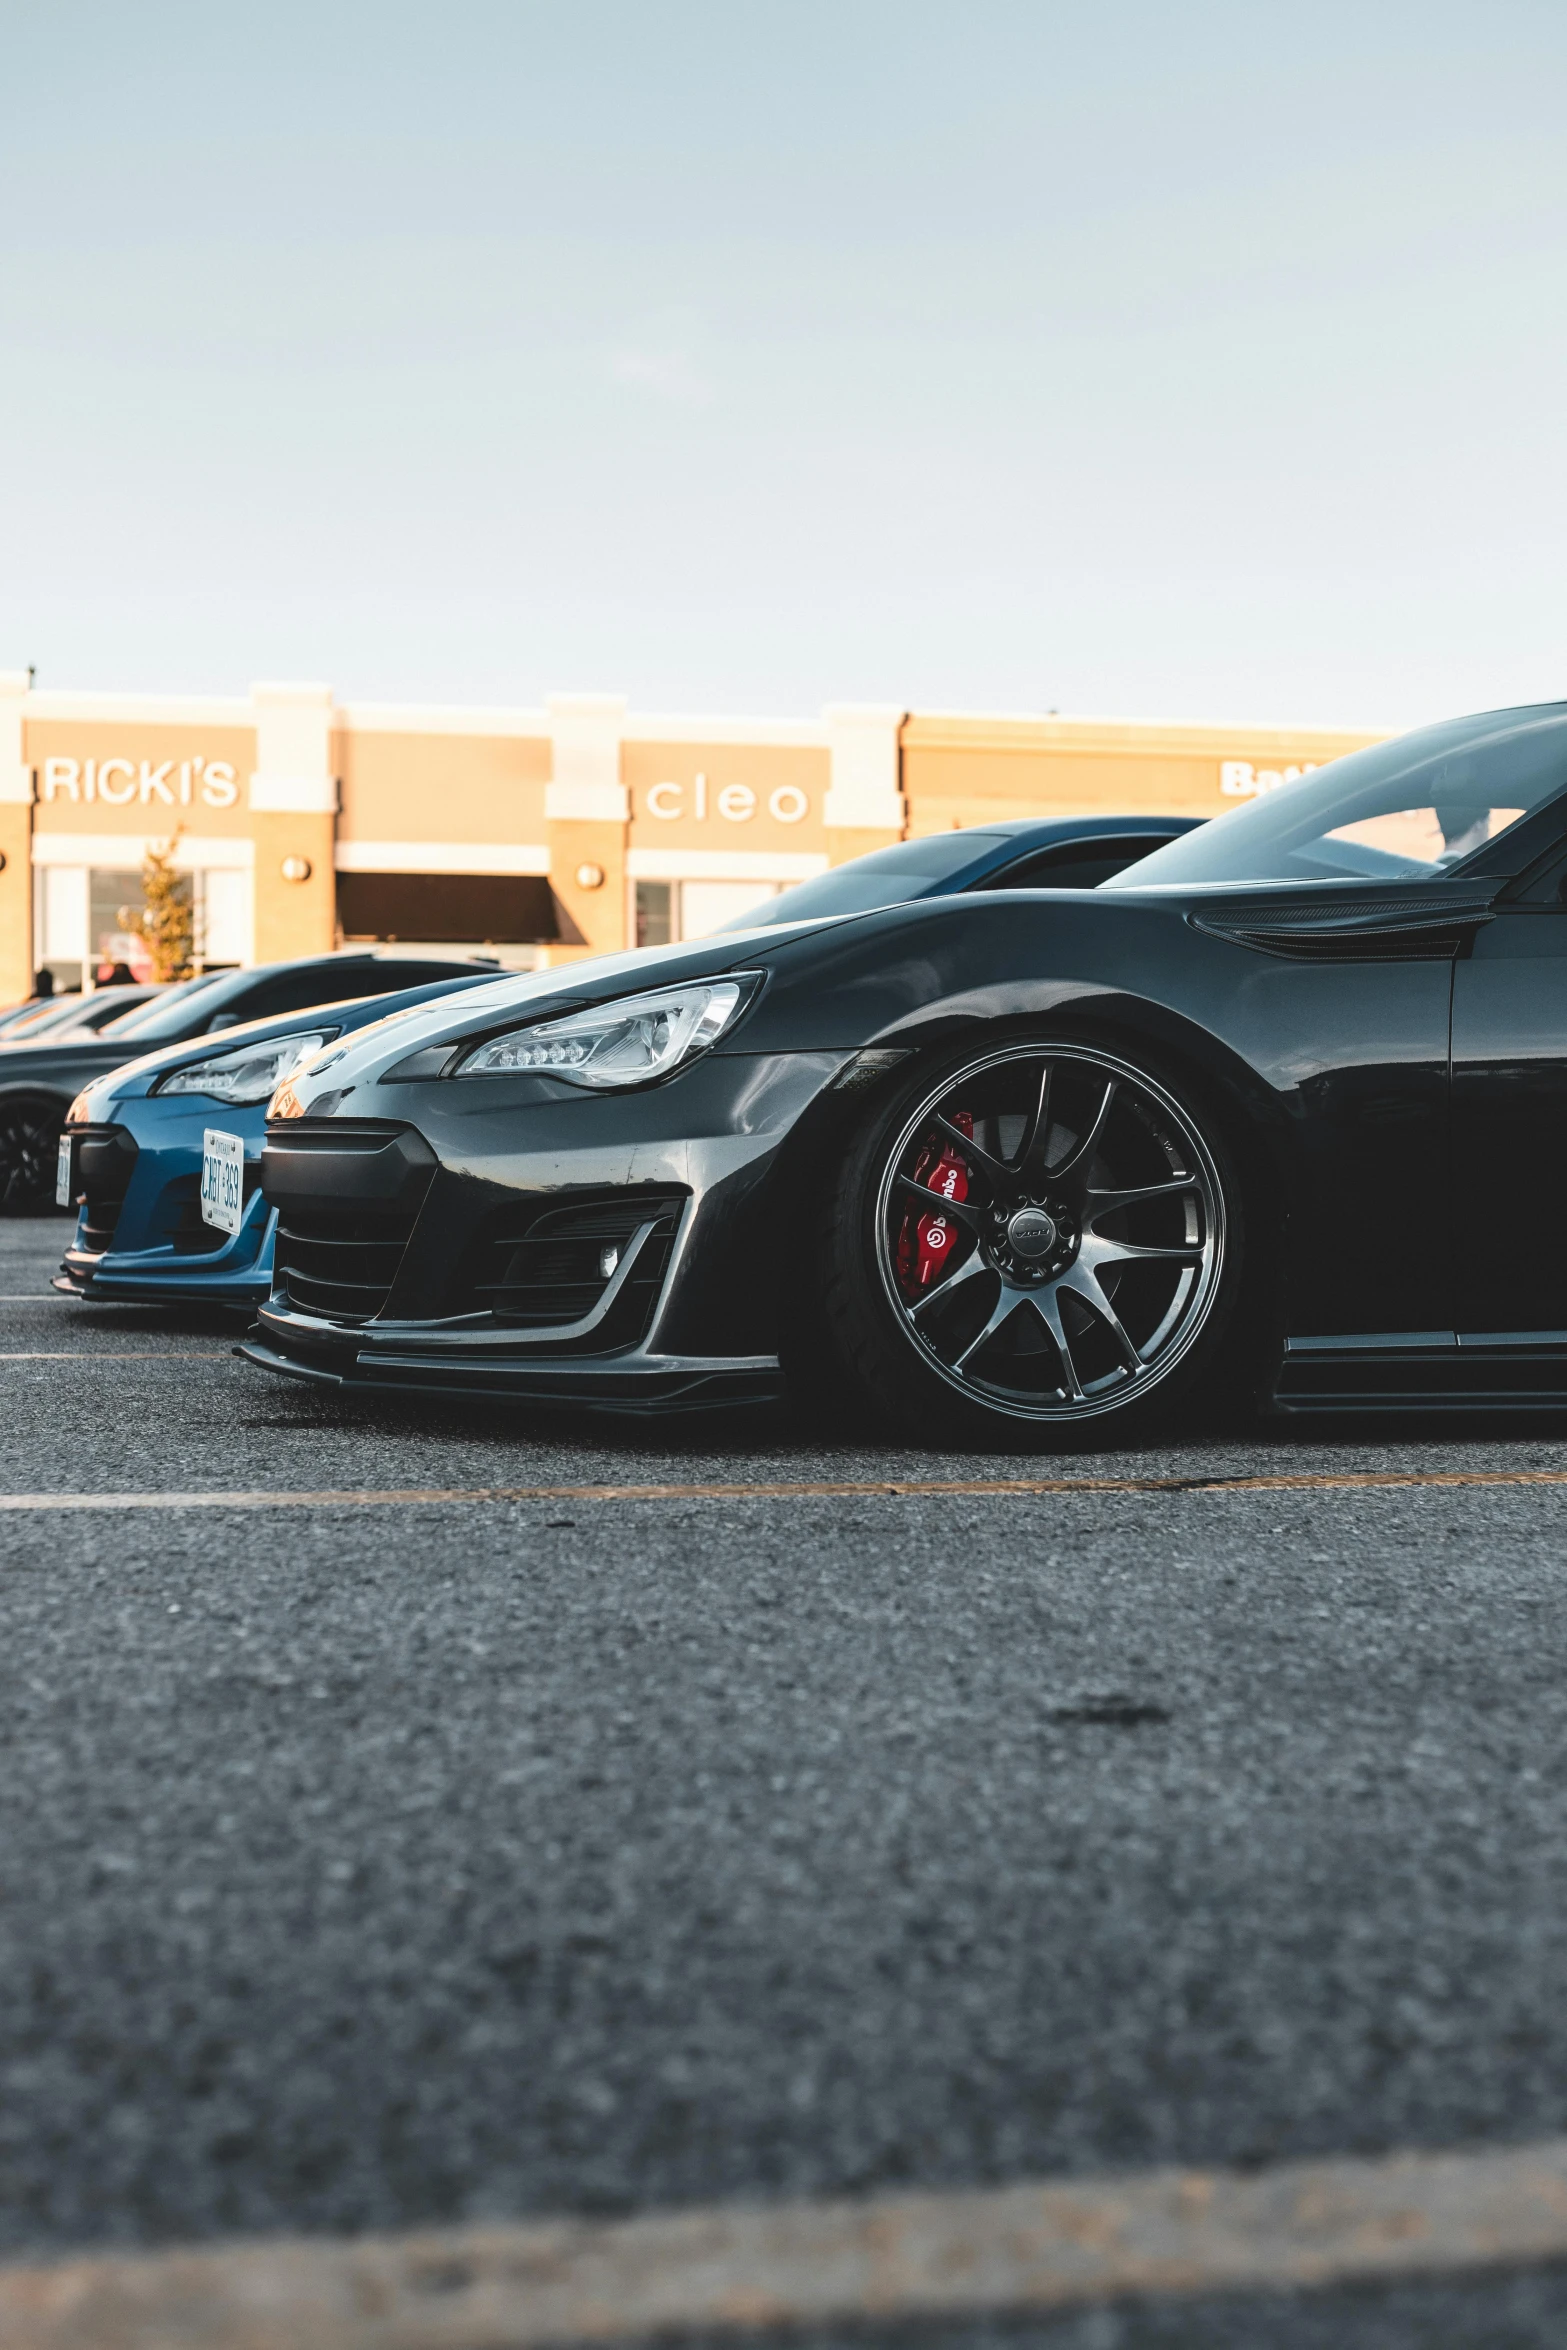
{"points": [[1031, 1233]]}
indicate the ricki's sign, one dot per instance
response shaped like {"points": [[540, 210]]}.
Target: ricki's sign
{"points": [[143, 783]]}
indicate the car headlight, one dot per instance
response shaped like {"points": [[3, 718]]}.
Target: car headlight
{"points": [[626, 1043], [251, 1073]]}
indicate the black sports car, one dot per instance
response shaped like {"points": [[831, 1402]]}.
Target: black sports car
{"points": [[1032, 1166], [39, 1081]]}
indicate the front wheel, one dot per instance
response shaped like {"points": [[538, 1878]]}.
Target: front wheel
{"points": [[1039, 1245], [29, 1141]]}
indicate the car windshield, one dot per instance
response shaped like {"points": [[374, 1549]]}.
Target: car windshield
{"points": [[1409, 810], [168, 1013], [885, 878], [38, 1019]]}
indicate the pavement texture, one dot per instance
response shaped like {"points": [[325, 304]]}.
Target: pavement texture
{"points": [[359, 1869]]}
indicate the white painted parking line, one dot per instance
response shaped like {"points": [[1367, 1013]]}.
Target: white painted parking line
{"points": [[880, 1489], [1008, 2249]]}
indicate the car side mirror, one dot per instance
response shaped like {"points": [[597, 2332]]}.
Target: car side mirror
{"points": [[222, 1020]]}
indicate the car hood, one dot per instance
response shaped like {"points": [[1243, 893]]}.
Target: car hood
{"points": [[793, 949], [128, 1080], [539, 995], [59, 1068]]}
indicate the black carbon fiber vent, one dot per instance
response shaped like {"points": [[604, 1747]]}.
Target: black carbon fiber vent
{"points": [[1420, 926], [105, 1161], [340, 1265], [348, 1193]]}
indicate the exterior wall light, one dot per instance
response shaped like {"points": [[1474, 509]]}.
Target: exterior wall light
{"points": [[296, 869], [590, 877]]}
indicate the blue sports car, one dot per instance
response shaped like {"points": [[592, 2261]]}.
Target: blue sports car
{"points": [[161, 1157]]}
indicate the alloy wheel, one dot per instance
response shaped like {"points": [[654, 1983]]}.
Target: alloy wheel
{"points": [[1050, 1231]]}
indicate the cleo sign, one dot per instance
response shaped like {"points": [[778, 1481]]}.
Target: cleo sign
{"points": [[121, 783], [735, 803]]}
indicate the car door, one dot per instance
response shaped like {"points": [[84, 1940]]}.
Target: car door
{"points": [[1508, 1221], [1342, 1001]]}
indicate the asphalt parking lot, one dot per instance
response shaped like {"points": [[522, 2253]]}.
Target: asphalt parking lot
{"points": [[364, 1867]]}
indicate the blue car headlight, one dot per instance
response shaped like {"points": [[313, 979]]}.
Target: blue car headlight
{"points": [[630, 1042], [248, 1074]]}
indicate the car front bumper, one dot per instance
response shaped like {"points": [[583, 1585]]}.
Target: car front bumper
{"points": [[237, 1274], [139, 1235], [435, 1190]]}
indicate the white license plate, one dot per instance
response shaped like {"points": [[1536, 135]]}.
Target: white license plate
{"points": [[62, 1173], [222, 1179]]}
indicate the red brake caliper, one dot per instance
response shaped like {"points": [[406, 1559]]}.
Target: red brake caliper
{"points": [[927, 1238]]}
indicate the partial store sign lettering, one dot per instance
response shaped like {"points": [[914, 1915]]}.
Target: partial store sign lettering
{"points": [[122, 783], [1240, 780]]}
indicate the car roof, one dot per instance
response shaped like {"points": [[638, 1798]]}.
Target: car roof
{"points": [[1047, 829]]}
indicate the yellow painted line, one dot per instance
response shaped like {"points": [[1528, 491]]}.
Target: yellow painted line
{"points": [[897, 2257], [879, 1489]]}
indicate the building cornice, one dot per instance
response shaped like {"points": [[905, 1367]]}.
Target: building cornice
{"points": [[139, 709], [938, 730]]}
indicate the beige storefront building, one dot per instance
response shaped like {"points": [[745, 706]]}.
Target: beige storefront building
{"points": [[544, 834]]}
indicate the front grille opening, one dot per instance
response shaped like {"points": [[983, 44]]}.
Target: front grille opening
{"points": [[339, 1256], [340, 1261], [554, 1266], [105, 1162]]}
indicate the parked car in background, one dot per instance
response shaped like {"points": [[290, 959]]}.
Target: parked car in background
{"points": [[1024, 852], [161, 1158], [74, 1015], [38, 1082]]}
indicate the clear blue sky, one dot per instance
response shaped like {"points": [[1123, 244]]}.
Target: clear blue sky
{"points": [[1200, 360]]}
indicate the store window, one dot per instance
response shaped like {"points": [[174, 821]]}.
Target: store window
{"points": [[667, 910], [83, 941], [707, 905], [112, 950], [655, 913]]}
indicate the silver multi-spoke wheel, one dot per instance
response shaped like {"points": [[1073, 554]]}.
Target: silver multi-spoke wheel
{"points": [[1050, 1231]]}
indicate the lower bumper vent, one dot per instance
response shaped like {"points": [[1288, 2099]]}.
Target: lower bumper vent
{"points": [[190, 1234], [559, 1265]]}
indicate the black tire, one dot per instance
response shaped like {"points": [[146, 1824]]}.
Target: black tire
{"points": [[1093, 1245], [30, 1126]]}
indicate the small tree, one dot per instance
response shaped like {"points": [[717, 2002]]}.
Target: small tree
{"points": [[166, 924]]}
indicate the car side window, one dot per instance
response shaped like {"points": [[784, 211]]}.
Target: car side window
{"points": [[293, 991], [1074, 864]]}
